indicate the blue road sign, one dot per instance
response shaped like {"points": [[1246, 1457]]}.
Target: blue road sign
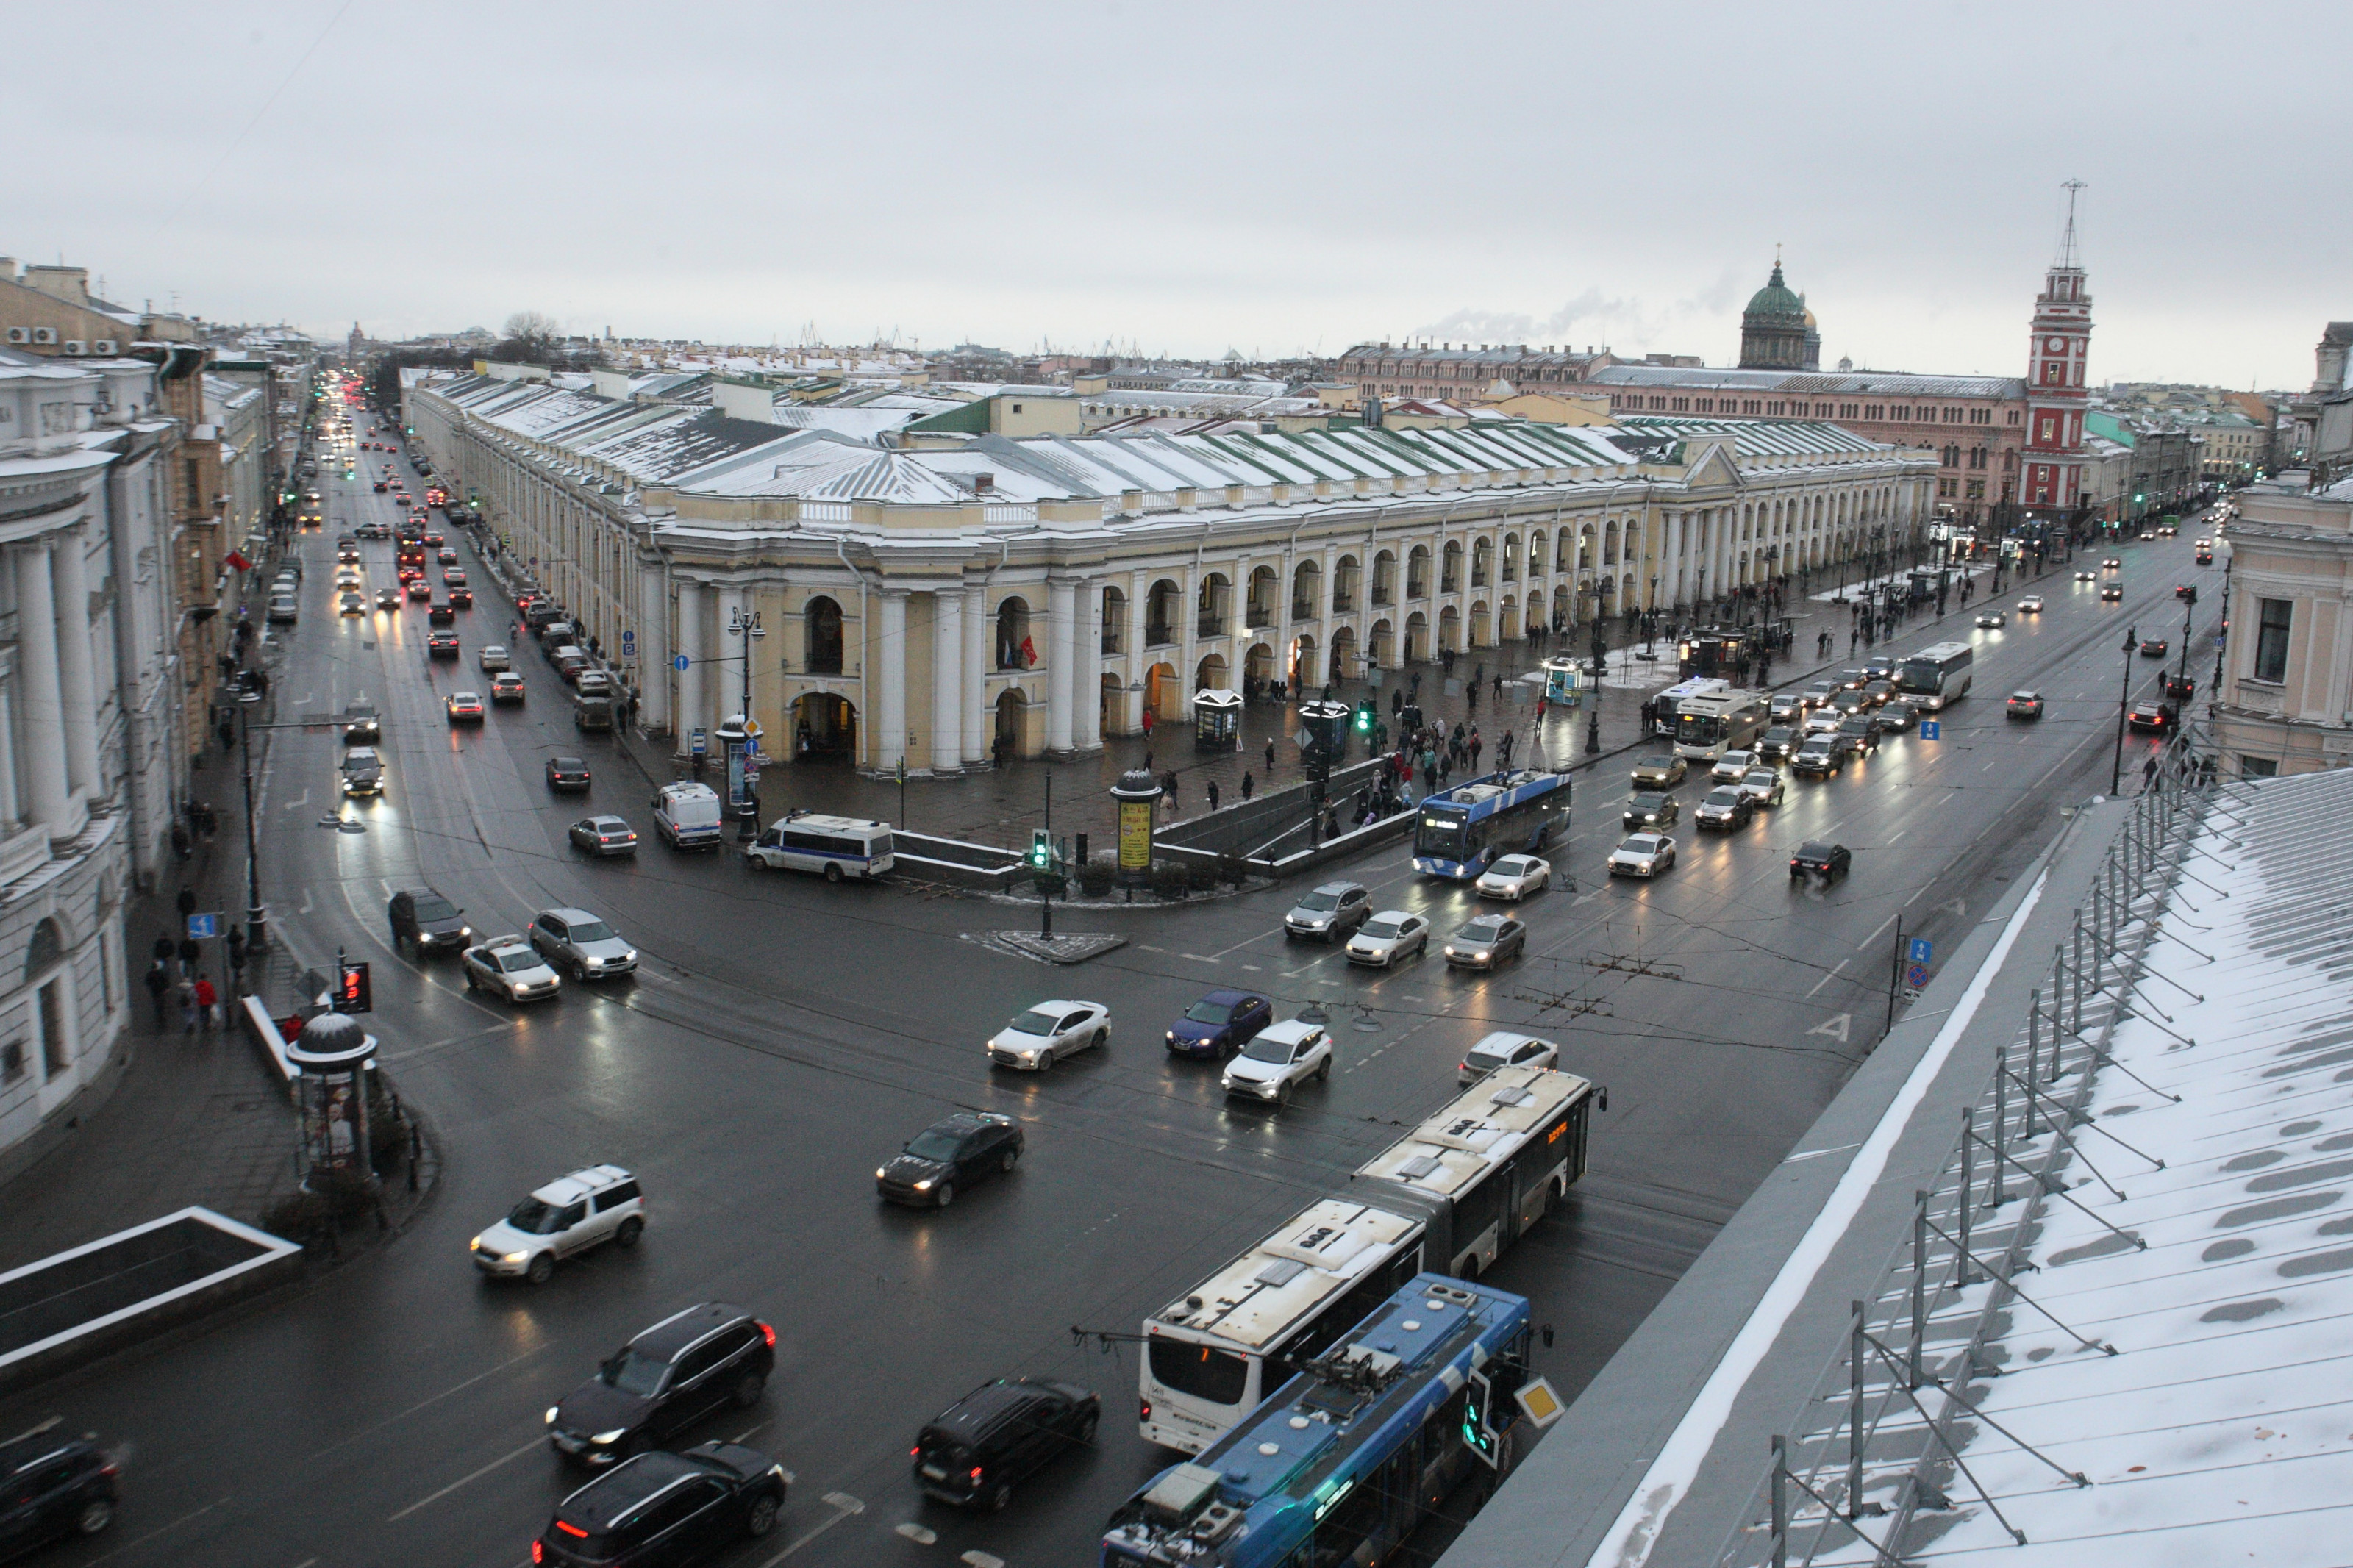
{"points": [[1921, 950], [700, 743], [1931, 730], [680, 662], [203, 928], [628, 644]]}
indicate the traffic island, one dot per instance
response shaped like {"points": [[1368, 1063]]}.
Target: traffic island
{"points": [[68, 1309], [1068, 947]]}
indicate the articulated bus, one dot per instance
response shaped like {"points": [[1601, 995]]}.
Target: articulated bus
{"points": [[1449, 1196], [1936, 674], [1464, 829], [1707, 727], [1351, 1455]]}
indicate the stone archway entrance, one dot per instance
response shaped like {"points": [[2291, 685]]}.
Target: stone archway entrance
{"points": [[825, 728], [1012, 736]]}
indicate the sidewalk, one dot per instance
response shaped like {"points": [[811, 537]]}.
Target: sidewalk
{"points": [[193, 1118]]}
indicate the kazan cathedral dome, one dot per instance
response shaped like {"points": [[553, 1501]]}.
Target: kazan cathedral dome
{"points": [[1776, 331]]}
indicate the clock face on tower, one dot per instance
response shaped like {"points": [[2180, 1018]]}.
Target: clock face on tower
{"points": [[2055, 345]]}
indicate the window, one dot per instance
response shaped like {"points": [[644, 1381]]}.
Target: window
{"points": [[1948, 488], [2258, 767], [12, 1062], [1977, 489], [2273, 619], [1707, 405], [1202, 1371], [53, 1031]]}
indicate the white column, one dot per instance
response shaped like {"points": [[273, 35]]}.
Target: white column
{"points": [[727, 677], [978, 725], [693, 601], [1062, 656], [37, 622], [948, 681], [1086, 681], [888, 695], [653, 648], [77, 683], [10, 809]]}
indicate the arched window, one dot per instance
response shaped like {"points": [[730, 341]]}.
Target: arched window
{"points": [[46, 951], [1012, 632], [822, 621]]}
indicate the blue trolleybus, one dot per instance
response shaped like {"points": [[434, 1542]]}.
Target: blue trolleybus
{"points": [[1354, 1452], [1464, 829]]}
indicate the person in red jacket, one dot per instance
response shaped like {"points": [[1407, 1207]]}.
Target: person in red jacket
{"points": [[207, 1003]]}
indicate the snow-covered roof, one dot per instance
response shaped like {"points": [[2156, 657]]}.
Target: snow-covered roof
{"points": [[2223, 1430]]}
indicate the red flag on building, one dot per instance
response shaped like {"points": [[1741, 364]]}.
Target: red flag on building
{"points": [[239, 562], [1028, 652]]}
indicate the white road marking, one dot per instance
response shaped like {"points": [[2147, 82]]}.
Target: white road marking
{"points": [[298, 800], [534, 1445], [1836, 1028], [1826, 979], [916, 1532], [979, 1558]]}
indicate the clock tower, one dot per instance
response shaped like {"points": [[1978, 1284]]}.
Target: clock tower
{"points": [[2050, 479]]}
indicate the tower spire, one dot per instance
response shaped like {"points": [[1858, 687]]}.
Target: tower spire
{"points": [[2068, 256]]}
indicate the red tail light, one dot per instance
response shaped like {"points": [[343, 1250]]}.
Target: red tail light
{"points": [[1145, 1411], [768, 1334], [538, 1552], [571, 1530], [917, 1452], [975, 1472]]}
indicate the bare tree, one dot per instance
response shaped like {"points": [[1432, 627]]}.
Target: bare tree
{"points": [[533, 327]]}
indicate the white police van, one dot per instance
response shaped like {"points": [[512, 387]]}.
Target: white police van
{"points": [[837, 847], [687, 815]]}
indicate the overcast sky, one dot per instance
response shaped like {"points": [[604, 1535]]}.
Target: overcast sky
{"points": [[1187, 178]]}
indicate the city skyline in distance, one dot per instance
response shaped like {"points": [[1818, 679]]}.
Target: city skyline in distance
{"points": [[1271, 182]]}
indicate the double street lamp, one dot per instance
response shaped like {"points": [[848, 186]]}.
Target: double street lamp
{"points": [[745, 799]]}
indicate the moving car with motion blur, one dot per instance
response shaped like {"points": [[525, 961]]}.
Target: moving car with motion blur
{"points": [[1643, 854], [464, 707], [671, 1375], [955, 1153], [52, 1487], [1047, 1032], [1828, 862], [2023, 705]]}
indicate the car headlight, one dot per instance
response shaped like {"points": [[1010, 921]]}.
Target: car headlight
{"points": [[631, 957], [925, 1185], [881, 1172], [603, 1438], [1451, 954], [514, 1258], [464, 933], [551, 1414]]}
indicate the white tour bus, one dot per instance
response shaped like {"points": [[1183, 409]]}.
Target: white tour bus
{"points": [[1449, 1196], [837, 847], [1485, 1166], [1670, 701], [1935, 675], [1707, 727], [1205, 1358]]}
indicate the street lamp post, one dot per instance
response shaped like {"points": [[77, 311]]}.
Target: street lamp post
{"points": [[748, 628], [2124, 703], [257, 919]]}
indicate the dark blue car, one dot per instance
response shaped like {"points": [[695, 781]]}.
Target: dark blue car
{"points": [[1219, 1024]]}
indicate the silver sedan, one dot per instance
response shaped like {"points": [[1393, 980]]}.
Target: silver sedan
{"points": [[1487, 942], [1764, 786], [1388, 937], [1047, 1032], [1514, 877]]}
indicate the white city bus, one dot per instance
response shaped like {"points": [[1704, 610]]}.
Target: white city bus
{"points": [[1449, 1196], [1485, 1166], [1935, 675], [837, 847], [1205, 1354], [1707, 727]]}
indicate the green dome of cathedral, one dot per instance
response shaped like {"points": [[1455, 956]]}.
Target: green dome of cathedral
{"points": [[1775, 300]]}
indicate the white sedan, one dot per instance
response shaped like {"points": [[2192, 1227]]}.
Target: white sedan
{"points": [[2030, 605], [1514, 877], [1049, 1032], [1642, 854], [1388, 937], [1279, 1059], [493, 658], [510, 967]]}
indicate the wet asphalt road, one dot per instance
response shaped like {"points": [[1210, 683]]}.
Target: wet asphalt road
{"points": [[784, 1035]]}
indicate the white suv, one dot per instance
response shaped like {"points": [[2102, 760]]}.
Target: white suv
{"points": [[569, 1215], [1278, 1059]]}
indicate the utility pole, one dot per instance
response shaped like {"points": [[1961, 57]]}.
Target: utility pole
{"points": [[257, 919], [1046, 889], [2124, 702]]}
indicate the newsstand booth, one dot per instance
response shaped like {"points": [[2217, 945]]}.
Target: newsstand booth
{"points": [[1217, 720]]}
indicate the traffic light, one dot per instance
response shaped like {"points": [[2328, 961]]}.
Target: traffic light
{"points": [[1478, 1400], [1041, 849], [355, 995], [1365, 714]]}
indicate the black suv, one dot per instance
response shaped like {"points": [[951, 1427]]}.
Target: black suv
{"points": [[52, 1487], [424, 918], [958, 1152], [666, 1509], [669, 1378], [972, 1452]]}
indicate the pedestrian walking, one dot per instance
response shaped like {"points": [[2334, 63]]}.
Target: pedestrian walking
{"points": [[1475, 746], [2148, 773], [1168, 782], [1269, 759], [207, 1003], [1503, 751], [1213, 794], [159, 986], [1248, 785], [187, 995], [1149, 722], [1851, 639], [189, 955], [179, 843]]}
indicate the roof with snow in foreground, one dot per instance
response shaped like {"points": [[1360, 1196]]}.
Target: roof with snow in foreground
{"points": [[2223, 1431]]}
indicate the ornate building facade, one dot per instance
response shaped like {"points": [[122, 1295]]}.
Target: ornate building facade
{"points": [[930, 606], [2058, 356]]}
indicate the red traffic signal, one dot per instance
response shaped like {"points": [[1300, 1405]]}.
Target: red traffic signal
{"points": [[354, 994]]}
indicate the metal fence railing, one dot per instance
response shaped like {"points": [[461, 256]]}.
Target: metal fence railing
{"points": [[1875, 1445]]}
